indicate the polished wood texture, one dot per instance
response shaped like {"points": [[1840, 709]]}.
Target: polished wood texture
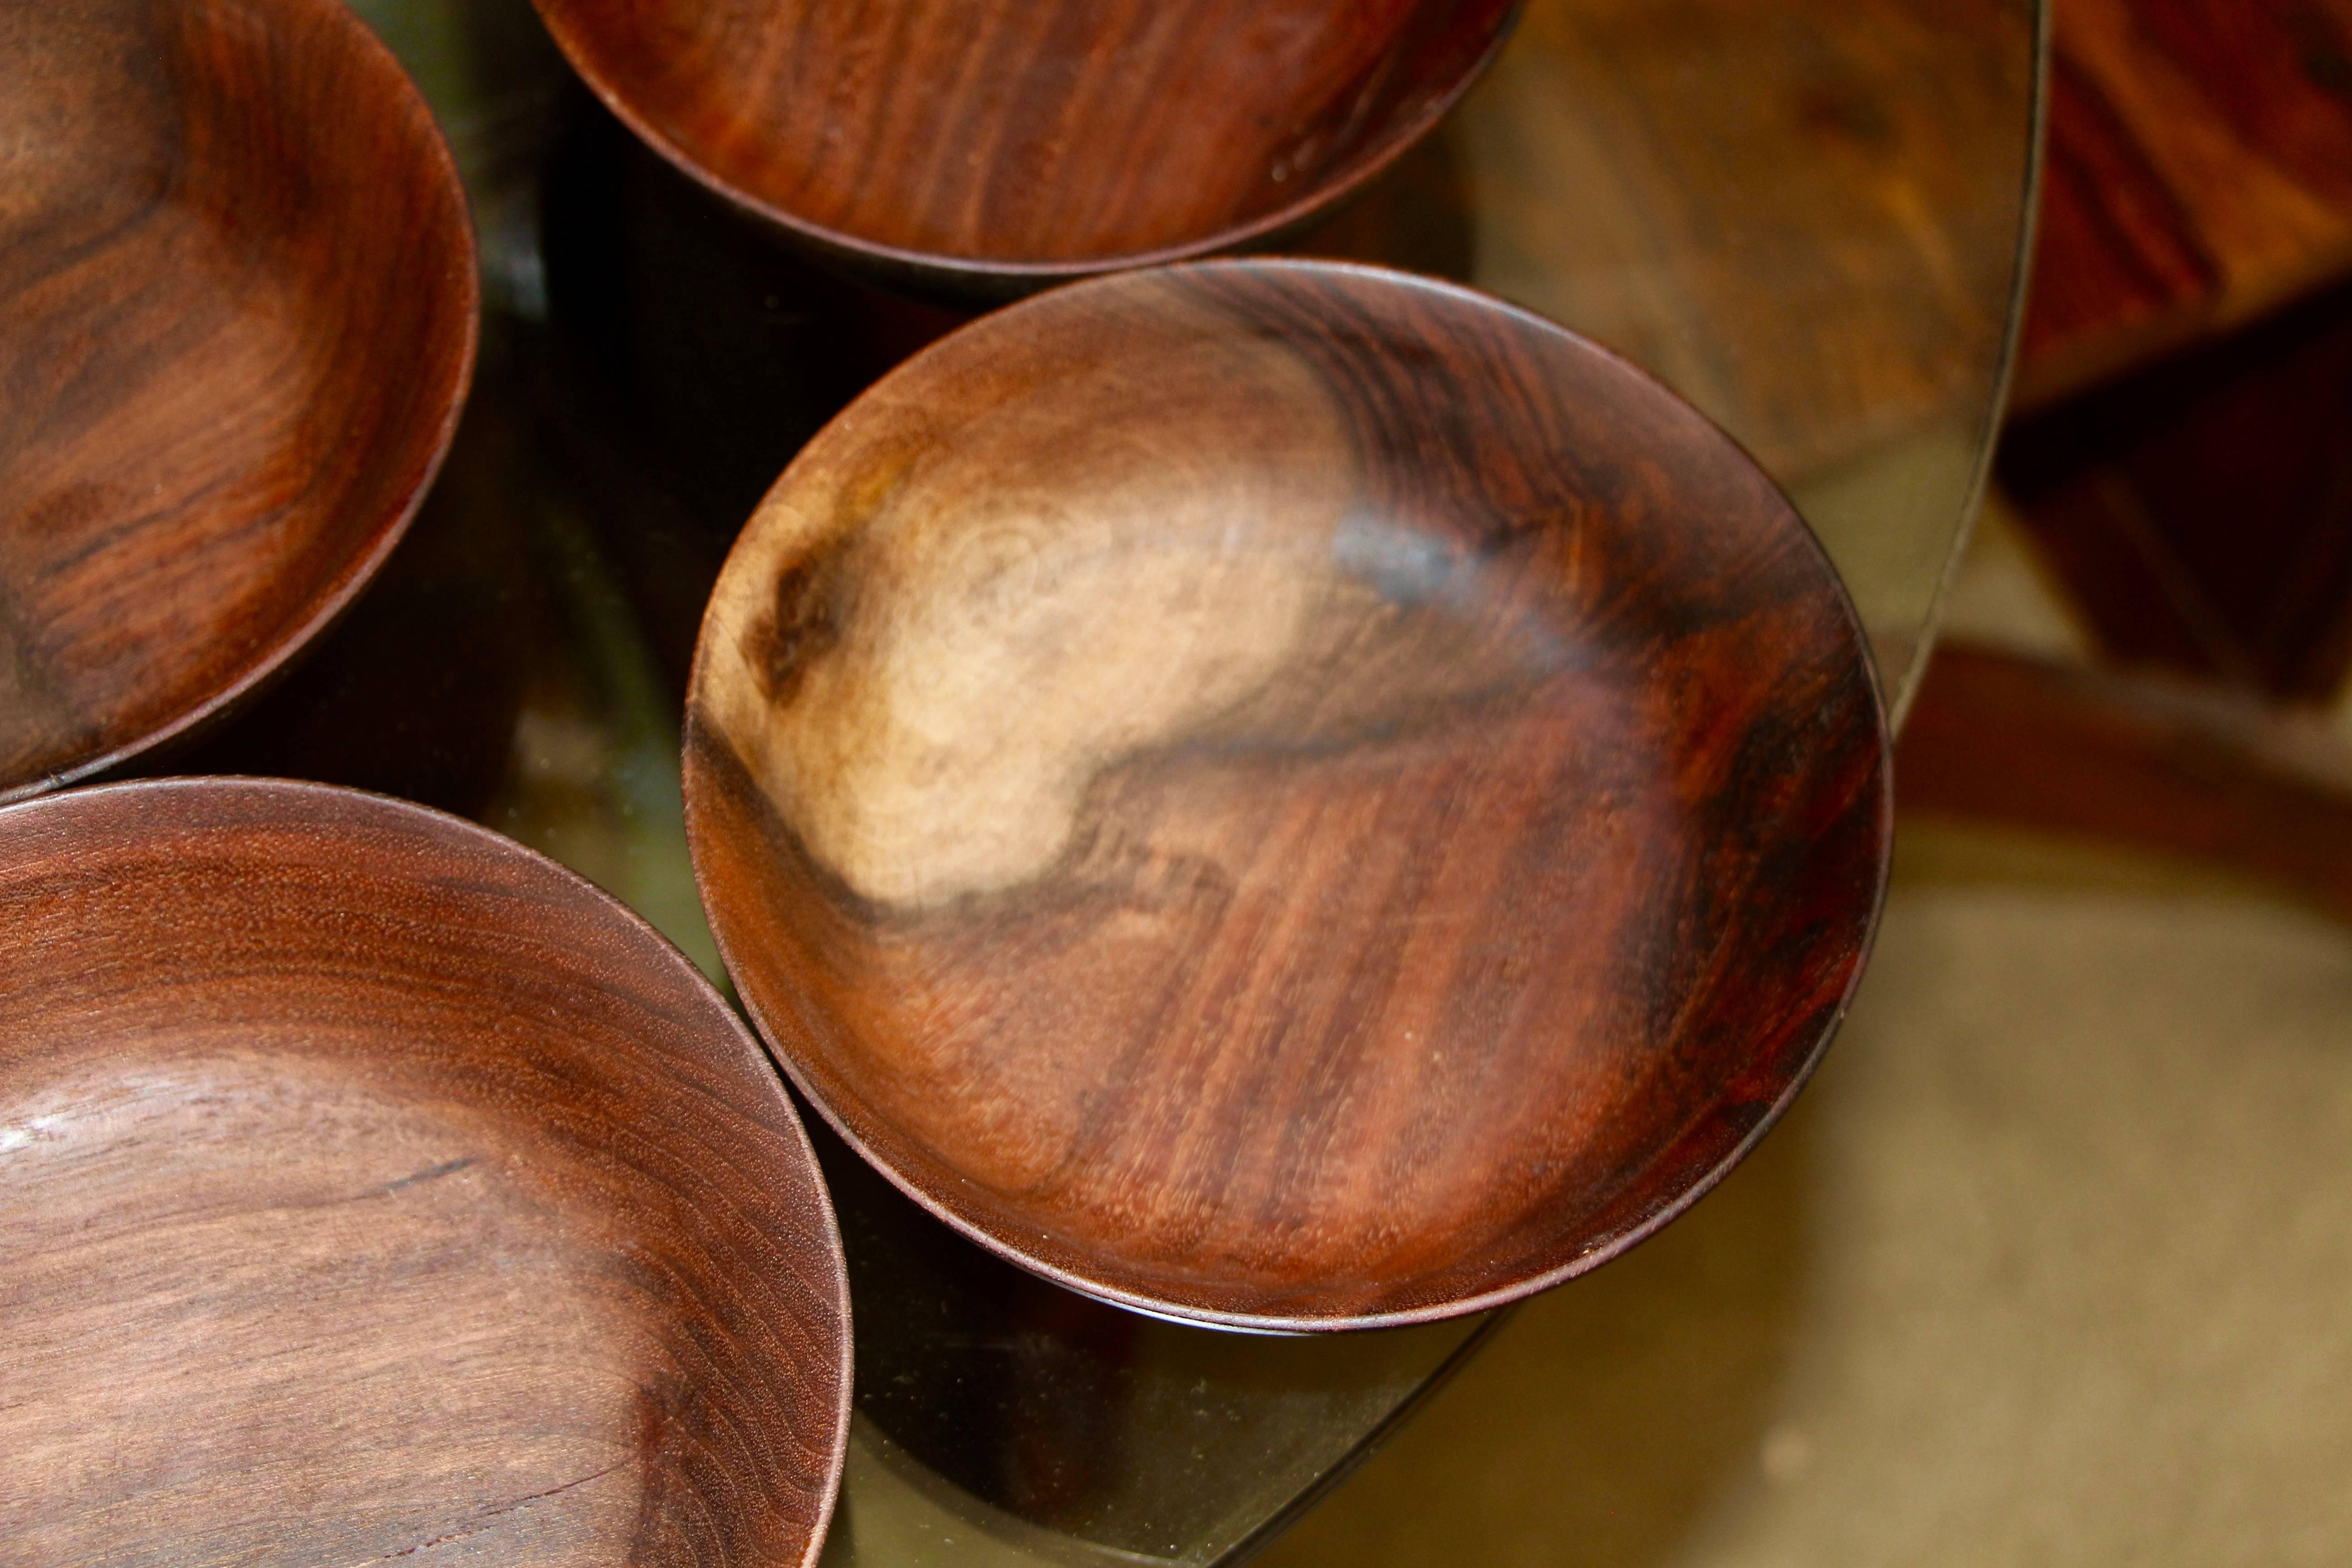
{"points": [[996, 143], [2198, 173], [237, 320], [1285, 794], [377, 1190]]}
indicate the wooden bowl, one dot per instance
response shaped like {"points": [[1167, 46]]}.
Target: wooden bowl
{"points": [[996, 145], [1287, 794], [372, 1184], [237, 307]]}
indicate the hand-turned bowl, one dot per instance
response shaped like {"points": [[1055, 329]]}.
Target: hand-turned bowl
{"points": [[237, 307], [992, 146], [373, 1189], [1287, 795]]}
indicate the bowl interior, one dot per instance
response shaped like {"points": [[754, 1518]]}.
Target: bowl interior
{"points": [[1285, 794], [237, 319], [373, 1185], [1066, 133]]}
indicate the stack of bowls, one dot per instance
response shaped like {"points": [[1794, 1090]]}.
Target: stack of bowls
{"points": [[1283, 795]]}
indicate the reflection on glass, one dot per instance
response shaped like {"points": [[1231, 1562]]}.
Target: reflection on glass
{"points": [[1804, 219]]}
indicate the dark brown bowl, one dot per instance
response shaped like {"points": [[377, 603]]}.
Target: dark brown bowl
{"points": [[992, 146], [1287, 795], [237, 322], [373, 1189]]}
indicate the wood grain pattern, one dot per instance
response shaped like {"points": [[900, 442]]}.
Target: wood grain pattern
{"points": [[237, 320], [1287, 795], [997, 144], [374, 1188], [2198, 173]]}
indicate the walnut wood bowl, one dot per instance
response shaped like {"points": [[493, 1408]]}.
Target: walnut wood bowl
{"points": [[371, 1186], [1285, 794], [237, 322], [990, 146]]}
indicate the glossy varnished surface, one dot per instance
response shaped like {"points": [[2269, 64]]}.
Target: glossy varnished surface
{"points": [[988, 143], [1287, 795], [2200, 176], [237, 317], [373, 1188]]}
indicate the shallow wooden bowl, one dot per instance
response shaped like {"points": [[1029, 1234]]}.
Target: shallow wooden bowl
{"points": [[236, 321], [1287, 794], [995, 146], [372, 1189]]}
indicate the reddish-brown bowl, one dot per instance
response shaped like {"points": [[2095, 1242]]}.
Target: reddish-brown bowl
{"points": [[372, 1188], [996, 145], [238, 307], [1285, 794]]}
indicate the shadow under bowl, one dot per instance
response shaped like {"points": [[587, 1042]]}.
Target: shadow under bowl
{"points": [[1285, 794], [992, 146], [372, 1184], [237, 319]]}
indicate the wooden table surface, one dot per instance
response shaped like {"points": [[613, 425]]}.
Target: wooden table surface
{"points": [[2198, 173]]}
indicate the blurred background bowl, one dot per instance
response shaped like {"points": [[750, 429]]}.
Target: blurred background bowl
{"points": [[374, 1184], [992, 146], [1287, 795], [238, 318]]}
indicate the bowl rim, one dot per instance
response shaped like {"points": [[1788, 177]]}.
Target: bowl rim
{"points": [[343, 806], [418, 130], [980, 275], [1880, 789]]}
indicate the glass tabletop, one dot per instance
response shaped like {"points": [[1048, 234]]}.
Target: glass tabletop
{"points": [[1807, 218]]}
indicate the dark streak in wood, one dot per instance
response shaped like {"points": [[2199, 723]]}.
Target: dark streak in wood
{"points": [[1334, 801]]}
